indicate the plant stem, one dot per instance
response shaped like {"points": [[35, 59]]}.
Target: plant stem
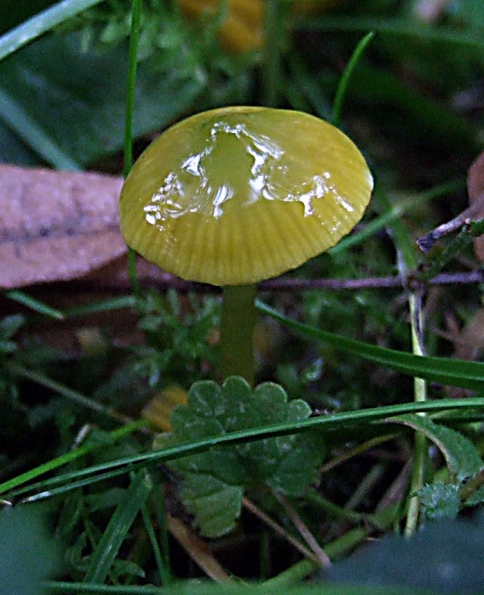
{"points": [[337, 548], [237, 329], [420, 442], [408, 263], [271, 58]]}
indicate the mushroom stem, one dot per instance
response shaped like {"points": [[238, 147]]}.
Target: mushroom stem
{"points": [[237, 329]]}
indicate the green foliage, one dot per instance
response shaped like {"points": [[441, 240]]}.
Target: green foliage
{"points": [[62, 103], [28, 553], [476, 498], [443, 501], [95, 523], [177, 349], [180, 325], [467, 374], [9, 326], [202, 588], [180, 66], [163, 30], [90, 109], [470, 11], [132, 501], [178, 332], [462, 457], [214, 481], [451, 553], [439, 501]]}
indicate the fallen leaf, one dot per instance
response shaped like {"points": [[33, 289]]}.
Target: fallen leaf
{"points": [[470, 341], [475, 188], [56, 226]]}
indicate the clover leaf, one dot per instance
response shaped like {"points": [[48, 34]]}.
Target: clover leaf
{"points": [[214, 481]]}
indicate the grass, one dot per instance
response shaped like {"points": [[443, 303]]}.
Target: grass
{"points": [[375, 362]]}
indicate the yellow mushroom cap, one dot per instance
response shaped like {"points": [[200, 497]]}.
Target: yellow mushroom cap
{"points": [[240, 194]]}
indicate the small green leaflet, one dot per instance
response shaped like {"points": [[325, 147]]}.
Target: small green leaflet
{"points": [[439, 501], [214, 481], [461, 456], [443, 501]]}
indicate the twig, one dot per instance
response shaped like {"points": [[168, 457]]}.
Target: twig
{"points": [[393, 494], [197, 550], [308, 537], [165, 281], [426, 241], [278, 529]]}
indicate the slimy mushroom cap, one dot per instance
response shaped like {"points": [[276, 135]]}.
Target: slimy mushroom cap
{"points": [[240, 194]]}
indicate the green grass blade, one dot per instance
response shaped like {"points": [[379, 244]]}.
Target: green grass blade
{"points": [[155, 546], [465, 374], [36, 305], [115, 303], [41, 23], [128, 124], [66, 458], [343, 84], [111, 469], [68, 393], [397, 26], [274, 31], [33, 135], [160, 511], [131, 504]]}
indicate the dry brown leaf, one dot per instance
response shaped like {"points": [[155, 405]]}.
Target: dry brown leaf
{"points": [[475, 178], [197, 549], [475, 188], [56, 226], [470, 341]]}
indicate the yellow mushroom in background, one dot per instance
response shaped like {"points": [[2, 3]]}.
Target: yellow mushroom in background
{"points": [[157, 410], [242, 29]]}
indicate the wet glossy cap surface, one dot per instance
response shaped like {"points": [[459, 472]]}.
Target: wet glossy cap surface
{"points": [[241, 194]]}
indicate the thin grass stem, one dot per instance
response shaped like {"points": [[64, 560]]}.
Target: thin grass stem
{"points": [[420, 396], [33, 304], [66, 458], [273, 37], [73, 395], [345, 78], [115, 468]]}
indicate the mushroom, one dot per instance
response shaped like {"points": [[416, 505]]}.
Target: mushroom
{"points": [[236, 195]]}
